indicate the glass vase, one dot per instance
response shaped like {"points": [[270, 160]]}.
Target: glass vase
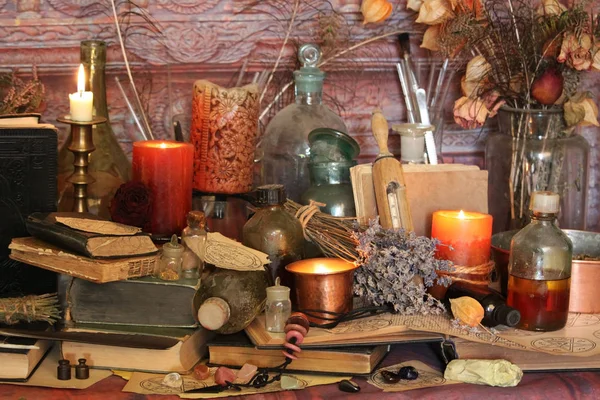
{"points": [[109, 165], [533, 150]]}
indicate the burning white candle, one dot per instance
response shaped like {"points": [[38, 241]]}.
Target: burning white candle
{"points": [[81, 102]]}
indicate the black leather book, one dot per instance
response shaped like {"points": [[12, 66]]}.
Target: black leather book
{"points": [[28, 183]]}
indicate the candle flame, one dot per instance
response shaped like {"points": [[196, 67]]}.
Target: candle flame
{"points": [[81, 79], [461, 214], [163, 145], [321, 269]]}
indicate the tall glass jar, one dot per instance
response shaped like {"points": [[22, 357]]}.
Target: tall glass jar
{"points": [[109, 165], [539, 268], [330, 185], [284, 150], [534, 151]]}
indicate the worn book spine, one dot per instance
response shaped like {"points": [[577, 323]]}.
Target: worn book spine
{"points": [[57, 235]]}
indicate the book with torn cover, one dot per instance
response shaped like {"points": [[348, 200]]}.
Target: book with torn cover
{"points": [[36, 252], [126, 302], [90, 236], [237, 349]]}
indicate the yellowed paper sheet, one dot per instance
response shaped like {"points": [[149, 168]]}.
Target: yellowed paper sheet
{"points": [[45, 375], [428, 377], [229, 254], [429, 188], [144, 383], [96, 226]]}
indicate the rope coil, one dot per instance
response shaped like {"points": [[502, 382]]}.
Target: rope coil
{"points": [[484, 270]]}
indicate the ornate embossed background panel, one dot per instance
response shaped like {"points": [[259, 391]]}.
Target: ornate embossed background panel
{"points": [[210, 39]]}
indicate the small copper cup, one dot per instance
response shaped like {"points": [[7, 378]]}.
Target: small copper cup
{"points": [[323, 284]]}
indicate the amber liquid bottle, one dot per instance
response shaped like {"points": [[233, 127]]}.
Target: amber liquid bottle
{"points": [[540, 268]]}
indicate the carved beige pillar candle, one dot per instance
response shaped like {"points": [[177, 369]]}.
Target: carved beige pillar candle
{"points": [[224, 132]]}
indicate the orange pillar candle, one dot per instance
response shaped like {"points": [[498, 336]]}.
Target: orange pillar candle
{"points": [[465, 237], [166, 167]]}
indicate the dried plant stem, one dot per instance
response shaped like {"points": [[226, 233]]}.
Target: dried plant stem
{"points": [[30, 308], [332, 235], [135, 92], [285, 40]]}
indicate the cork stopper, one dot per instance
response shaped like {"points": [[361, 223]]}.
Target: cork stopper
{"points": [[196, 219], [544, 202]]}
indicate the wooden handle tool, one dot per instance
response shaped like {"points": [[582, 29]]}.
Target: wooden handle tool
{"points": [[388, 180]]}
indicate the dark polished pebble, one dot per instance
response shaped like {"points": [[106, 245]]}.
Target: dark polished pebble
{"points": [[409, 373], [390, 377], [348, 386]]}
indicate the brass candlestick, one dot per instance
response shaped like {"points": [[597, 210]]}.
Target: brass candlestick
{"points": [[82, 144]]}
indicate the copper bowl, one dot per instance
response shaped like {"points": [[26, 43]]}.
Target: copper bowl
{"points": [[323, 284], [585, 275]]}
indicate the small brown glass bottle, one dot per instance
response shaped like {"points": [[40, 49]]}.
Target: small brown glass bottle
{"points": [[275, 232], [493, 303], [539, 268]]}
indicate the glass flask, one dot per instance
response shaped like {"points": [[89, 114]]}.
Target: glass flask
{"points": [[193, 238], [229, 300], [534, 151], [539, 268], [284, 152], [275, 232], [170, 261], [109, 165]]}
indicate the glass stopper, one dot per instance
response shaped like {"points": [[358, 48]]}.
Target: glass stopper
{"points": [[309, 55]]}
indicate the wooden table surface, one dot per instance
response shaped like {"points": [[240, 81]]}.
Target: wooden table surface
{"points": [[547, 385]]}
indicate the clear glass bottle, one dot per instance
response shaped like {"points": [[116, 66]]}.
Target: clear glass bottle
{"points": [[538, 152], [539, 268], [193, 238], [278, 307], [169, 263], [109, 165], [284, 151], [275, 232], [229, 300]]}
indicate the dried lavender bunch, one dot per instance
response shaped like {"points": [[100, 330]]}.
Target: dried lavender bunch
{"points": [[396, 268]]}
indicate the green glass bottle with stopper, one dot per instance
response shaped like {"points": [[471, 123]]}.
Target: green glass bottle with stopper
{"points": [[539, 268], [283, 151], [275, 232]]}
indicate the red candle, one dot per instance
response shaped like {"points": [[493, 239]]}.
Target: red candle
{"points": [[465, 237], [166, 167]]}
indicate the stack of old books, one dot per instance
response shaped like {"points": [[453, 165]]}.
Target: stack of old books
{"points": [[116, 314]]}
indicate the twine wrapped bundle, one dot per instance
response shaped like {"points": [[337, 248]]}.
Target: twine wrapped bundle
{"points": [[44, 307]]}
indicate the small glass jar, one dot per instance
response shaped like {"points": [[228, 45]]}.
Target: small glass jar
{"points": [[193, 238], [412, 142], [278, 308], [539, 267], [169, 264]]}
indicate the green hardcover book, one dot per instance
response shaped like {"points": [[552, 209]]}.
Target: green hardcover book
{"points": [[141, 302]]}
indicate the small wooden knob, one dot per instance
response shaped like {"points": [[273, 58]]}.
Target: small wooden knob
{"points": [[380, 129]]}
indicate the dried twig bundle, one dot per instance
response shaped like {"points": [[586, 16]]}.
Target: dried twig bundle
{"points": [[334, 236], [44, 307]]}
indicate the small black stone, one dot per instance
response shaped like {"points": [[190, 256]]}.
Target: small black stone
{"points": [[348, 386], [390, 377], [409, 373]]}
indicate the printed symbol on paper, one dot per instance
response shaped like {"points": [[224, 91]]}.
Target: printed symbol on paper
{"points": [[425, 379], [362, 326], [155, 385], [576, 320], [597, 334], [226, 256], [563, 345]]}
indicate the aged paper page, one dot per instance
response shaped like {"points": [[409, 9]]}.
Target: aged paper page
{"points": [[229, 254], [428, 377], [144, 383]]}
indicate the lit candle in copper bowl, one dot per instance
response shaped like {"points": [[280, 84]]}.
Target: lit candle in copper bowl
{"points": [[166, 167], [465, 240], [323, 284]]}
